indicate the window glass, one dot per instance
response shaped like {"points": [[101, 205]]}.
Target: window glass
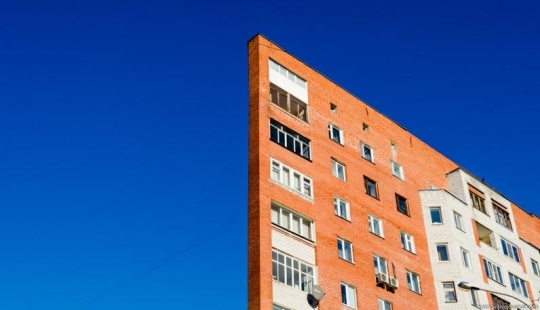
{"points": [[436, 217], [449, 292], [442, 252], [348, 295], [341, 208], [375, 225], [402, 205]]}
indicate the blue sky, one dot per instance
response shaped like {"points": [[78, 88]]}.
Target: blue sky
{"points": [[123, 127]]}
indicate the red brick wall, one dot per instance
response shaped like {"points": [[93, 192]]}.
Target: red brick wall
{"points": [[527, 225], [422, 166]]}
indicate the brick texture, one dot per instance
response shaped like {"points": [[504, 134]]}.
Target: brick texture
{"points": [[423, 166]]}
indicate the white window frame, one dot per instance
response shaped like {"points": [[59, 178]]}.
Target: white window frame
{"points": [[348, 292], [493, 271], [397, 170], [345, 250], [371, 152], [474, 299], [341, 206], [466, 258], [449, 287], [439, 254], [374, 223], [535, 267], [339, 170], [438, 209], [337, 138], [458, 220], [286, 218], [380, 264], [502, 216], [407, 242], [518, 285], [510, 250], [296, 181], [297, 270], [287, 73], [290, 139], [413, 282], [383, 304]]}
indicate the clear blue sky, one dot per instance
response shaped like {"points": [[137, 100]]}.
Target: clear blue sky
{"points": [[123, 129]]}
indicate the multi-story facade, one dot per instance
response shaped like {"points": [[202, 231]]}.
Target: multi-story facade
{"points": [[340, 195], [473, 236]]}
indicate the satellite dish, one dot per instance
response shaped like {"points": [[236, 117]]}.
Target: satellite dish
{"points": [[314, 298], [312, 301]]}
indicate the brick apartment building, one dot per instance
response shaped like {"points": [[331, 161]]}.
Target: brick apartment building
{"points": [[342, 197]]}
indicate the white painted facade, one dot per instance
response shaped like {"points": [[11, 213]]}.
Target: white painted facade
{"points": [[458, 200]]}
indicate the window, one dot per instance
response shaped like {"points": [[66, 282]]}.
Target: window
{"points": [[502, 217], [407, 242], [499, 303], [518, 285], [397, 170], [466, 258], [477, 198], [413, 281], [345, 250], [338, 170], [288, 102], [333, 107], [371, 187], [375, 225], [449, 292], [380, 265], [367, 153], [474, 298], [535, 268], [402, 205], [290, 139], [335, 133], [458, 220], [365, 127], [291, 178], [348, 295], [292, 272], [485, 235], [341, 208], [510, 250], [436, 216], [292, 221], [276, 307], [384, 305], [288, 74], [493, 271], [442, 252]]}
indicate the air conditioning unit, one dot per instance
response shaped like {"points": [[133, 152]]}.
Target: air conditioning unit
{"points": [[382, 277], [393, 282]]}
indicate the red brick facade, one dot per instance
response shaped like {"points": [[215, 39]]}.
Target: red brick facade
{"points": [[422, 165]]}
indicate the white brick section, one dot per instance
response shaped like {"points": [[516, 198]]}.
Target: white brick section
{"points": [[293, 245], [289, 297], [453, 270], [289, 86], [531, 252], [457, 199]]}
